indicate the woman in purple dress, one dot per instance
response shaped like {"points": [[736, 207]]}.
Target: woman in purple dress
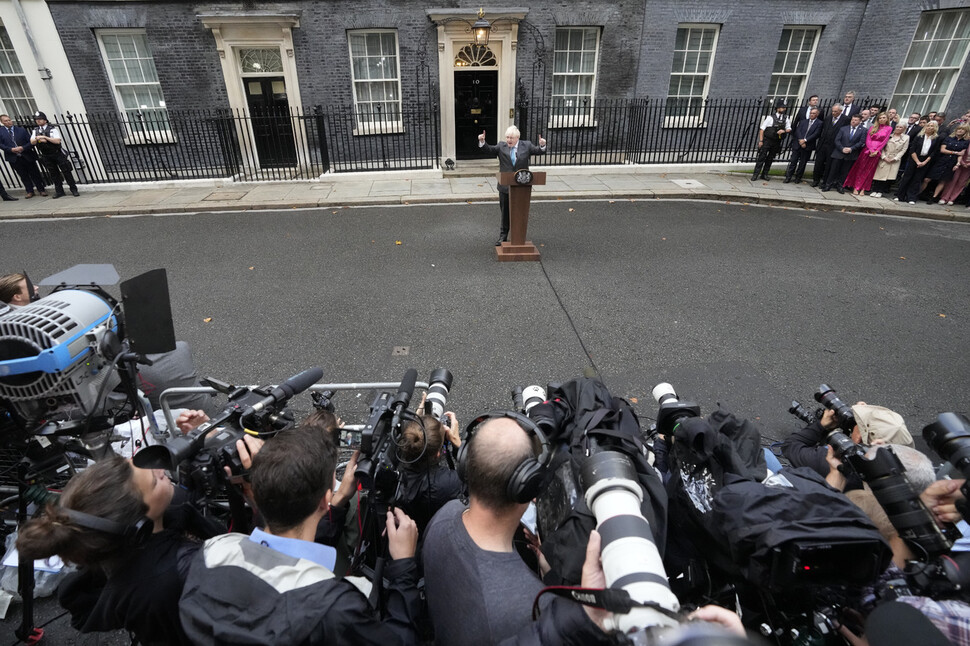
{"points": [[864, 168]]}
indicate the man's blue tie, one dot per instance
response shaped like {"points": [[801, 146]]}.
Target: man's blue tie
{"points": [[512, 153]]}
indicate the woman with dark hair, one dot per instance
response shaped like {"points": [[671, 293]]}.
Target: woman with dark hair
{"points": [[426, 482], [952, 155], [116, 521]]}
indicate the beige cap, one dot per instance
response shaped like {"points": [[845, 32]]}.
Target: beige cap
{"points": [[878, 423]]}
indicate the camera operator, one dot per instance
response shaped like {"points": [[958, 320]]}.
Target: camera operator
{"points": [[479, 590], [874, 425], [15, 292], [134, 547], [272, 586], [426, 483]]}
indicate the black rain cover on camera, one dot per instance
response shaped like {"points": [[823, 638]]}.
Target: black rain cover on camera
{"points": [[564, 519], [722, 513], [752, 520]]}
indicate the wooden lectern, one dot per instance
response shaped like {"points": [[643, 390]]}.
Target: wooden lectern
{"points": [[520, 185]]}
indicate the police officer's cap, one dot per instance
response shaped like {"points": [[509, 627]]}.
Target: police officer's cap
{"points": [[40, 115], [780, 103]]}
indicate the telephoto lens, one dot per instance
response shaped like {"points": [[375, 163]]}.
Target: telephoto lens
{"points": [[439, 385], [672, 409], [531, 396], [826, 397], [800, 412], [949, 436]]}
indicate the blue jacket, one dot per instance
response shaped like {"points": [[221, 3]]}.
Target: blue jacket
{"points": [[20, 138], [845, 140], [810, 135]]}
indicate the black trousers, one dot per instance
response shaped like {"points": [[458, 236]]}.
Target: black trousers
{"points": [[503, 203], [838, 171], [911, 184], [29, 174], [766, 155], [799, 158], [59, 167], [823, 156]]}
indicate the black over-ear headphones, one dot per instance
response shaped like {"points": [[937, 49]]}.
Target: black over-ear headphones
{"points": [[524, 483], [133, 535]]}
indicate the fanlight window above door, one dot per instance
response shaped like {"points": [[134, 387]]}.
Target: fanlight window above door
{"points": [[475, 56]]}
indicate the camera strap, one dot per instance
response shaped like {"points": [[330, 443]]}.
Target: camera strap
{"points": [[617, 601]]}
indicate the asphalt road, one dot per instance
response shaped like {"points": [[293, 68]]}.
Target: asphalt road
{"points": [[747, 306]]}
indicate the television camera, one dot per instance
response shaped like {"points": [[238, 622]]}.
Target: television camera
{"points": [[201, 456]]}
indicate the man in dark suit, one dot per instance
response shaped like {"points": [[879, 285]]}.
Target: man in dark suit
{"points": [[807, 133], [826, 143], [803, 112], [849, 106], [512, 155], [19, 153], [848, 144]]}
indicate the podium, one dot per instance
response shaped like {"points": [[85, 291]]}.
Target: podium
{"points": [[520, 185]]}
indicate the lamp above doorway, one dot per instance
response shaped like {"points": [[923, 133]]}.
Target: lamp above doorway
{"points": [[481, 28]]}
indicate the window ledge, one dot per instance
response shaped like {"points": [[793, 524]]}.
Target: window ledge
{"points": [[684, 122], [139, 139], [384, 128], [571, 122]]}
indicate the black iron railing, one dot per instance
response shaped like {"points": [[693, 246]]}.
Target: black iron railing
{"points": [[266, 144], [650, 131], [273, 144]]}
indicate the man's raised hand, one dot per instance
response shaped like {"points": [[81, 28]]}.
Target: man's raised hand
{"points": [[481, 137]]}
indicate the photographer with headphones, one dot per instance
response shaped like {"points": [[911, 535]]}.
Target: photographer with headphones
{"points": [[427, 484], [134, 547], [479, 590]]}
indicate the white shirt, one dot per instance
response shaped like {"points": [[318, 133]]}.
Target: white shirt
{"points": [[54, 134], [927, 142], [768, 121]]}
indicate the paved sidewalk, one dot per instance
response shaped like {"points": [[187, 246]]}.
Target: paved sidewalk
{"points": [[427, 187]]}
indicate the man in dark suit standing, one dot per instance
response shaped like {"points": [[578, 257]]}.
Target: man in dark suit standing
{"points": [[19, 153], [826, 143], [803, 112], [849, 106], [807, 133], [848, 144], [512, 155]]}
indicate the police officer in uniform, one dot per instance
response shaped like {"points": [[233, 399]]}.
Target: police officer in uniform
{"points": [[46, 138], [773, 130]]}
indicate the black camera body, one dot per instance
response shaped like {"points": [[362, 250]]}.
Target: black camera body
{"points": [[827, 397], [199, 456]]}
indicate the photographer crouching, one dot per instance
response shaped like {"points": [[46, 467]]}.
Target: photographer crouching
{"points": [[864, 423]]}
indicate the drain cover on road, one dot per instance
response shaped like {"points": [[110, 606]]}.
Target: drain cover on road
{"points": [[687, 183], [400, 351]]}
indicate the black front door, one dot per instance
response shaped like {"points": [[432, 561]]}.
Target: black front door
{"points": [[476, 109], [272, 122]]}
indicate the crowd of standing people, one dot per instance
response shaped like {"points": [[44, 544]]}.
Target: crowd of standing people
{"points": [[870, 150]]}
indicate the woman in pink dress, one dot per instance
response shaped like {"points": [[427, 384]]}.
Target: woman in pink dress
{"points": [[864, 168]]}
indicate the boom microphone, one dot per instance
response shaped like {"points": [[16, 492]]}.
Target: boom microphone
{"points": [[403, 397], [292, 386]]}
